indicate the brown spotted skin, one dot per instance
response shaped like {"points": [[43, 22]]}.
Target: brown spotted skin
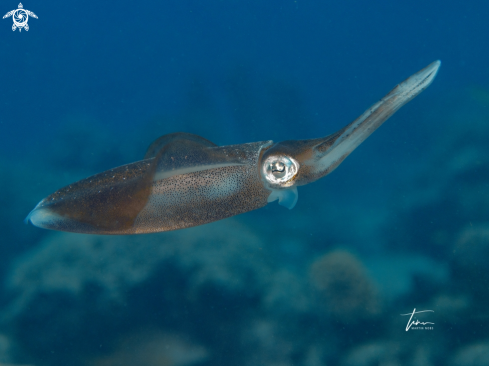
{"points": [[106, 203], [197, 198], [132, 200]]}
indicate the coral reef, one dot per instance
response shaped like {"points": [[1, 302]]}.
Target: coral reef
{"points": [[91, 281], [471, 249], [153, 348], [472, 355], [5, 349], [348, 292], [286, 293], [378, 353], [390, 353], [269, 344]]}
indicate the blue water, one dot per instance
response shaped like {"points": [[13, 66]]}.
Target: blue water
{"points": [[403, 223]]}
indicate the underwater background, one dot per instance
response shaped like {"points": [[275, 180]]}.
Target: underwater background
{"points": [[402, 224]]}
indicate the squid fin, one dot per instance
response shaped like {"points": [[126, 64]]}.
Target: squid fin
{"points": [[183, 137], [286, 197]]}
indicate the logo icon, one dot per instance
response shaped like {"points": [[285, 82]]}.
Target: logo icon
{"points": [[417, 324], [20, 17]]}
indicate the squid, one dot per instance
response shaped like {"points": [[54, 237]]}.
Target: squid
{"points": [[186, 180]]}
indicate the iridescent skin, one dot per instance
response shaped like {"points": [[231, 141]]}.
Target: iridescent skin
{"points": [[186, 180]]}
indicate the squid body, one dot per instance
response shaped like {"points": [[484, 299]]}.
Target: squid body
{"points": [[185, 180]]}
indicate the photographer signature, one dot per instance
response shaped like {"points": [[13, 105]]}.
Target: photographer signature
{"points": [[416, 322]]}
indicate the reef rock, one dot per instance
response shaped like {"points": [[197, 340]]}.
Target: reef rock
{"points": [[346, 290], [74, 293]]}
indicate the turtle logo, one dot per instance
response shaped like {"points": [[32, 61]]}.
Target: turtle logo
{"points": [[20, 17]]}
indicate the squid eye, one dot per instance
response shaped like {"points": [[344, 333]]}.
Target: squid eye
{"points": [[280, 170]]}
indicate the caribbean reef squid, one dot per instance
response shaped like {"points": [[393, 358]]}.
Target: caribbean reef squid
{"points": [[185, 180]]}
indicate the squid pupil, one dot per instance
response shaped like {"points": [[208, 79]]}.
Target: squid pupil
{"points": [[278, 167]]}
